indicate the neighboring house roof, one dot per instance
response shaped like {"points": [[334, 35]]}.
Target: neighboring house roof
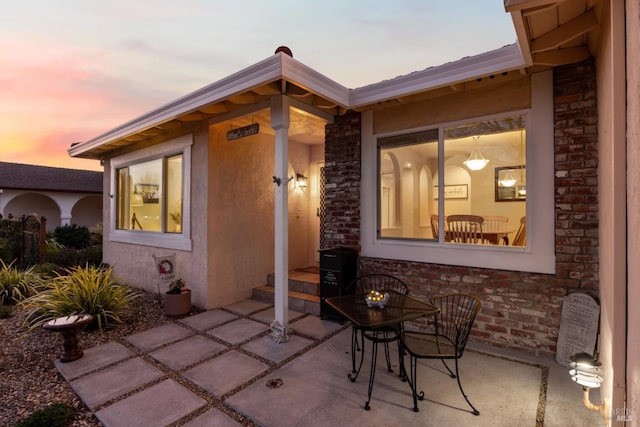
{"points": [[43, 178], [281, 74]]}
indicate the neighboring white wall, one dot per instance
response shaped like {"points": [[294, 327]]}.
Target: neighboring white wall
{"points": [[633, 206], [87, 211], [59, 208], [610, 72]]}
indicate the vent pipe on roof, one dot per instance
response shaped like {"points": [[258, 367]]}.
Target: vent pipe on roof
{"points": [[284, 50]]}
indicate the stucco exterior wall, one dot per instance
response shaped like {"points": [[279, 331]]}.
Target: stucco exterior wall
{"points": [[633, 204], [135, 264], [240, 213], [612, 216]]}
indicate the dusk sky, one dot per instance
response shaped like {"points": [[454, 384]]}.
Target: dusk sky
{"points": [[73, 69]]}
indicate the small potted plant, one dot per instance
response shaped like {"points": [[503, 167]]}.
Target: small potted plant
{"points": [[177, 301]]}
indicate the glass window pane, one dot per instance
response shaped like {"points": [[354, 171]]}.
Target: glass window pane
{"points": [[174, 194], [146, 196], [485, 166], [407, 165], [122, 216]]}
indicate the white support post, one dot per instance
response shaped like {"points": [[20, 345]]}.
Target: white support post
{"points": [[280, 123]]}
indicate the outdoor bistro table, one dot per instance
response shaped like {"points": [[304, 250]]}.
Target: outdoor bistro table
{"points": [[398, 308]]}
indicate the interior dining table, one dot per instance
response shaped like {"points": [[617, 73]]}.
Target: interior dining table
{"points": [[494, 234], [397, 309]]}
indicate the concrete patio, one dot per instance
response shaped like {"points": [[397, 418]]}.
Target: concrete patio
{"points": [[221, 368]]}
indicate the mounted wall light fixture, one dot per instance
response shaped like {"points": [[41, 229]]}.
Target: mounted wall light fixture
{"points": [[301, 180]]}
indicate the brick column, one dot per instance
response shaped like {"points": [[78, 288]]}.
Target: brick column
{"points": [[342, 182]]}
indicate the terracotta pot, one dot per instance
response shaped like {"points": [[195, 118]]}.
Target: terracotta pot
{"points": [[177, 304]]}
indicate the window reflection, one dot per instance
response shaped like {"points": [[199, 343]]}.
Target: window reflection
{"points": [[150, 195], [410, 193]]}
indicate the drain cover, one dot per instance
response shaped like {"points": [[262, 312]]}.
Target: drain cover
{"points": [[274, 383]]}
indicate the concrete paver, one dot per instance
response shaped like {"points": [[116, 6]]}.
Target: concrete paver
{"points": [[213, 417], [94, 358], [276, 352], [315, 327], [159, 405], [225, 372], [238, 331], [208, 319], [105, 385], [248, 306], [156, 337], [268, 315], [183, 353]]}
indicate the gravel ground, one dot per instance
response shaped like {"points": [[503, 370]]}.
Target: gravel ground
{"points": [[29, 379]]}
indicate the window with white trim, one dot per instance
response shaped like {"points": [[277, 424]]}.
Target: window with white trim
{"points": [[484, 178], [150, 203], [377, 236]]}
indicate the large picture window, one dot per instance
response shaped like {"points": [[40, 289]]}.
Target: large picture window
{"points": [[417, 181], [464, 209], [151, 195]]}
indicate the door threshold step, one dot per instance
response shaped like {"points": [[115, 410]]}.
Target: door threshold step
{"points": [[298, 301]]}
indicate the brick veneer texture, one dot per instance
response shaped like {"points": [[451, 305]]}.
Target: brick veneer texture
{"points": [[520, 311]]}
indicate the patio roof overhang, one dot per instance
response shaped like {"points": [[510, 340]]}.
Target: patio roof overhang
{"points": [[280, 74], [555, 32]]}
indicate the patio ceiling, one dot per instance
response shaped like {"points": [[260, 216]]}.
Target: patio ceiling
{"points": [[555, 32]]}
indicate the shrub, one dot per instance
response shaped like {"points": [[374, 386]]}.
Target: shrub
{"points": [[82, 290], [5, 311], [16, 285], [55, 415], [73, 236], [70, 257], [96, 232]]}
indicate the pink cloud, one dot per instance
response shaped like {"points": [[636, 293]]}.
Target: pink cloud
{"points": [[55, 95]]}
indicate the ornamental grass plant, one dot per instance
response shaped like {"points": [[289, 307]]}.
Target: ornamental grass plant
{"points": [[81, 290], [17, 285]]}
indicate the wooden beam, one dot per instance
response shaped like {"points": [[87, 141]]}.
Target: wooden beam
{"points": [[572, 29], [518, 5], [270, 89], [557, 57], [214, 109]]}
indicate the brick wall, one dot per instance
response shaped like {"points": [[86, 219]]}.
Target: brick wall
{"points": [[342, 182], [520, 311]]}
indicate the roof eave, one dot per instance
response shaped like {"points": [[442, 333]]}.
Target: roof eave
{"points": [[277, 67], [505, 59]]}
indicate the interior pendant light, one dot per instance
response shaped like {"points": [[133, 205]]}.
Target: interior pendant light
{"points": [[476, 160]]}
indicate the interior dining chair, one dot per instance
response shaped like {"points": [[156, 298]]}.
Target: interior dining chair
{"points": [[465, 229], [495, 223], [376, 282], [447, 339], [434, 226], [521, 234]]}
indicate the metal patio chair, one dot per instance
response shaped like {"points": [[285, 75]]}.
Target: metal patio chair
{"points": [[447, 340], [376, 282]]}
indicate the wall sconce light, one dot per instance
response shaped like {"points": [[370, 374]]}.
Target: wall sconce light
{"points": [[476, 160], [301, 180], [585, 370]]}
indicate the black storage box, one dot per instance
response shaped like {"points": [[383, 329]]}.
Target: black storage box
{"points": [[338, 268]]}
